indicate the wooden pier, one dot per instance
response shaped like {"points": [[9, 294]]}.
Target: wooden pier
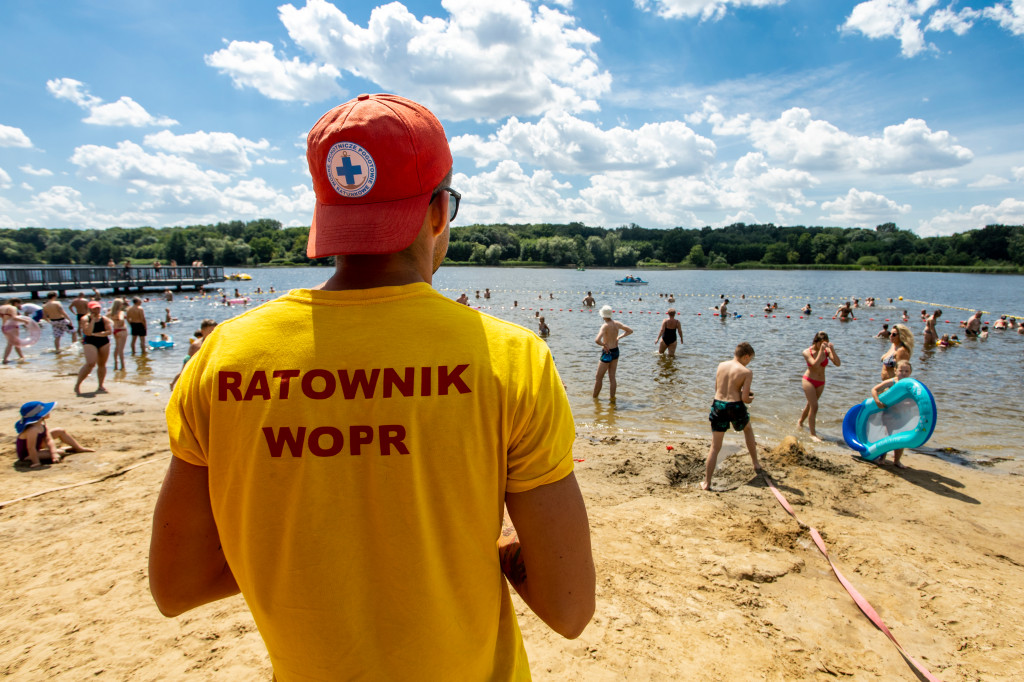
{"points": [[39, 279]]}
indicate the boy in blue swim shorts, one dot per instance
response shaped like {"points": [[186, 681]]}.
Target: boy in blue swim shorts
{"points": [[732, 395]]}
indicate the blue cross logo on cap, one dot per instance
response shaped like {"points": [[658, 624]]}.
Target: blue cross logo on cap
{"points": [[351, 169]]}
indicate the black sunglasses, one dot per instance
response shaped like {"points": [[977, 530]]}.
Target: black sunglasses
{"points": [[453, 208]]}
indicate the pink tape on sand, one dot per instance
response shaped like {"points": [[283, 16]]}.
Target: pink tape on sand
{"points": [[861, 602]]}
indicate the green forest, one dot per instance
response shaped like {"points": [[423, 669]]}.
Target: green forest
{"points": [[994, 248]]}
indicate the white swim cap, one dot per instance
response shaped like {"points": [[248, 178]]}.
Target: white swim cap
{"points": [[606, 312]]}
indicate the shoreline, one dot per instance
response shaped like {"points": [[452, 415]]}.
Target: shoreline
{"points": [[691, 585]]}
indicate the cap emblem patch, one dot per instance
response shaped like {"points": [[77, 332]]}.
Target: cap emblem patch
{"points": [[351, 169]]}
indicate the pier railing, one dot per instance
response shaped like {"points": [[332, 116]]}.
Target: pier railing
{"points": [[34, 279]]}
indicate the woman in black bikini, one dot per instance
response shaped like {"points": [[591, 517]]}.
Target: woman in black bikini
{"points": [[96, 332], [667, 340], [813, 381], [902, 346]]}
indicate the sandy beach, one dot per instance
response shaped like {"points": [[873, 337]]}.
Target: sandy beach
{"points": [[691, 585]]}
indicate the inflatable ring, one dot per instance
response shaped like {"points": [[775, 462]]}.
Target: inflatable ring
{"points": [[239, 301], [907, 421], [158, 343], [31, 326]]}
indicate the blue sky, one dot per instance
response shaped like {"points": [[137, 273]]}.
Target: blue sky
{"points": [[662, 113]]}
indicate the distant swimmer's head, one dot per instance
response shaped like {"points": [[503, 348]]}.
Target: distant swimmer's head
{"points": [[606, 312], [378, 162]]}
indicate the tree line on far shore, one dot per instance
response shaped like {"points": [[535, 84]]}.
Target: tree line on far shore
{"points": [[994, 248]]}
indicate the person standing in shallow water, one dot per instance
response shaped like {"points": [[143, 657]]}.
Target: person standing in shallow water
{"points": [[608, 338], [813, 381], [670, 334], [931, 336]]}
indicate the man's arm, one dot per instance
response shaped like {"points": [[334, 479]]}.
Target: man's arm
{"points": [[186, 564], [550, 563]]}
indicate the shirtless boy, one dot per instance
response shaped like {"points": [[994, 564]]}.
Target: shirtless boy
{"points": [[670, 329], [80, 307], [732, 394], [59, 321], [608, 338], [136, 317], [589, 300]]}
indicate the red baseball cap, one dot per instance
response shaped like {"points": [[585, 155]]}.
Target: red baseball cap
{"points": [[375, 160], [94, 304]]}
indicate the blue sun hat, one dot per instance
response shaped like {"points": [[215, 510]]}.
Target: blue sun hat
{"points": [[32, 412]]}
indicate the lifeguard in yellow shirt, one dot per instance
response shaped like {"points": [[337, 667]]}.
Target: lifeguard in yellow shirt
{"points": [[353, 481]]}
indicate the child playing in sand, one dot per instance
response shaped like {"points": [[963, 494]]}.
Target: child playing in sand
{"points": [[903, 370], [35, 442], [732, 394]]}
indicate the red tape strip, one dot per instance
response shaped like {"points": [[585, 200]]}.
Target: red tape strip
{"points": [[861, 602]]}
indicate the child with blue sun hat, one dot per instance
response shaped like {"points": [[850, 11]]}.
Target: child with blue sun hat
{"points": [[35, 441]]}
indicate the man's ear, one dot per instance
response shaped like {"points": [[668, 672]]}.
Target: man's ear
{"points": [[437, 213]]}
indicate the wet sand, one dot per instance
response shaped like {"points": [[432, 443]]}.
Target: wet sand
{"points": [[691, 585]]}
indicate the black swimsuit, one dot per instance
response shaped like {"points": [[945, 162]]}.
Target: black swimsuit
{"points": [[669, 337], [98, 341]]}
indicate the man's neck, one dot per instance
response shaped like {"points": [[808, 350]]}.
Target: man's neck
{"points": [[368, 272]]}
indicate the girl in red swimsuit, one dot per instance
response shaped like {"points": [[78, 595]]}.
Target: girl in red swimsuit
{"points": [[813, 380]]}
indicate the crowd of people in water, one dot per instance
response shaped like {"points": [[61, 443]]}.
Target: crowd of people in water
{"points": [[105, 332], [732, 382]]}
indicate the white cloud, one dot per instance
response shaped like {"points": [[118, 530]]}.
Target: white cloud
{"points": [[1018, 173], [1009, 212], [989, 181], [225, 151], [891, 19], [563, 143], [902, 19], [254, 65], [27, 187], [862, 208], [707, 10], [957, 22], [130, 163], [123, 112], [5, 179], [485, 61], [1010, 17], [30, 170], [797, 139], [936, 180], [13, 137]]}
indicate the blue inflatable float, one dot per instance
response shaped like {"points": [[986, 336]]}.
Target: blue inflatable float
{"points": [[907, 421], [160, 343]]}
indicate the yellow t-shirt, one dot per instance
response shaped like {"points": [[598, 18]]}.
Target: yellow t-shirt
{"points": [[359, 446]]}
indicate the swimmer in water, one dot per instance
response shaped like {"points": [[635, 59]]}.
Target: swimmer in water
{"points": [[667, 335], [930, 335]]}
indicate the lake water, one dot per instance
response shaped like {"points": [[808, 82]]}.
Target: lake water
{"points": [[976, 385]]}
